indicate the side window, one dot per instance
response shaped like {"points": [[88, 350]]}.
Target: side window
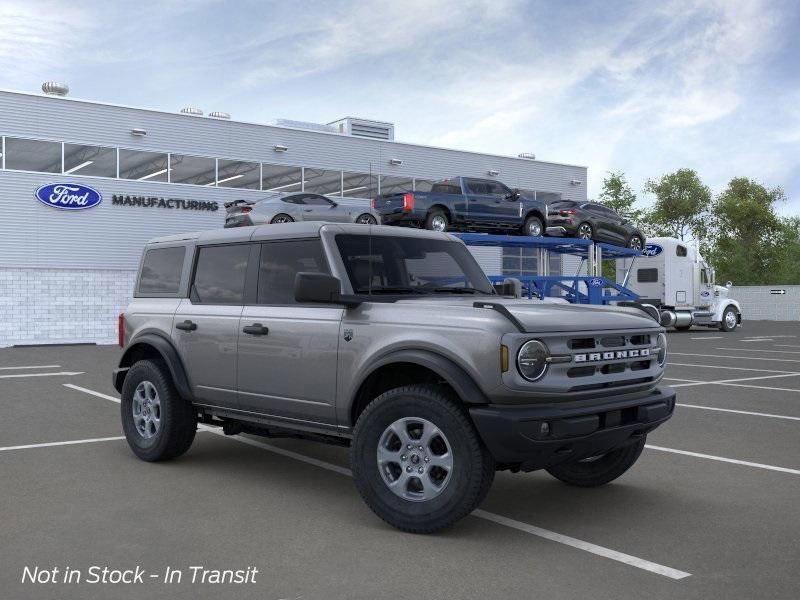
{"points": [[299, 199], [647, 275], [315, 200], [219, 274], [703, 276], [680, 251], [446, 187], [477, 187], [281, 262], [497, 189], [161, 271]]}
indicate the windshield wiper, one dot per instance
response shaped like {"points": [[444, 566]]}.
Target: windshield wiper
{"points": [[458, 290], [389, 290]]}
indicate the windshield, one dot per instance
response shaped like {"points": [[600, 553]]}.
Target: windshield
{"points": [[407, 265]]}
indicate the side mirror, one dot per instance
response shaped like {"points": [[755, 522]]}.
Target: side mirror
{"points": [[320, 287], [514, 195], [334, 204], [729, 284]]}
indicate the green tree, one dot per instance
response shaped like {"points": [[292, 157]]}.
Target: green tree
{"points": [[618, 195], [681, 206], [751, 244]]}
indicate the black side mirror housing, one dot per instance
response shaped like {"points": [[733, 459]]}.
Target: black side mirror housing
{"points": [[321, 288]]}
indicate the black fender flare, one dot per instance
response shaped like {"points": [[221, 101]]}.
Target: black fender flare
{"points": [[461, 382], [535, 212], [167, 352]]}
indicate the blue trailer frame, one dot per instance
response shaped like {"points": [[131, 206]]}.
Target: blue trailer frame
{"points": [[578, 289]]}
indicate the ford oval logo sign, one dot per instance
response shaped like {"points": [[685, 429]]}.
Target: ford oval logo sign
{"points": [[68, 196], [596, 282], [652, 250]]}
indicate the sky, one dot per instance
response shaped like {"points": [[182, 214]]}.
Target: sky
{"points": [[639, 87]]}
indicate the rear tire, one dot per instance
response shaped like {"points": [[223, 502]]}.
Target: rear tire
{"points": [[635, 242], [597, 471], [437, 220], [533, 227], [386, 443], [282, 218], [366, 219], [158, 423], [584, 232]]}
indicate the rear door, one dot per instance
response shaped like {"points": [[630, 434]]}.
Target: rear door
{"points": [[480, 201], [288, 351], [206, 325]]}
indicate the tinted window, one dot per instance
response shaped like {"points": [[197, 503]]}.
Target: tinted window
{"points": [[680, 251], [90, 160], [144, 166], [299, 199], [317, 200], [161, 271], [497, 189], [281, 262], [478, 187], [409, 265], [219, 276], [197, 170], [647, 275], [33, 155], [446, 187]]}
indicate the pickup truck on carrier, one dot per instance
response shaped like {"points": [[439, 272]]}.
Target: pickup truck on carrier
{"points": [[464, 203]]}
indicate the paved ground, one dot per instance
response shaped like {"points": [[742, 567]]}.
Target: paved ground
{"points": [[710, 511]]}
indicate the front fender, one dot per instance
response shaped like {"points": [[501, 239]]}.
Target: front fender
{"points": [[144, 345], [725, 303]]}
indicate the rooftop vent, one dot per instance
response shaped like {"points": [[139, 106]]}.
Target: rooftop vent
{"points": [[376, 130], [527, 155], [53, 88], [303, 125], [219, 115], [192, 110]]}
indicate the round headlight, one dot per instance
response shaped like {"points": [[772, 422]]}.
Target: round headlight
{"points": [[661, 348], [532, 360]]}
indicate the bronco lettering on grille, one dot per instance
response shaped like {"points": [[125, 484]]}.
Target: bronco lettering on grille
{"points": [[616, 355]]}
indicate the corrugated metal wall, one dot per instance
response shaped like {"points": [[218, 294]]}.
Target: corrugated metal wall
{"points": [[767, 303]]}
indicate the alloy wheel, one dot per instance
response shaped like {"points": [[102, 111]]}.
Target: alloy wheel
{"points": [[635, 243], [438, 223], [146, 408], [585, 231], [366, 220], [415, 459]]}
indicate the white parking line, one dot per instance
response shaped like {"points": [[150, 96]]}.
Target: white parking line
{"points": [[760, 350], [31, 367], [707, 337], [723, 459], [633, 561], [740, 412], [67, 443], [756, 340], [92, 392], [64, 373], [787, 346], [732, 381], [581, 545], [731, 368], [747, 358]]}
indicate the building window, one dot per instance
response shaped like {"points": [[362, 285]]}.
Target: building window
{"points": [[359, 185], [195, 170], [90, 160], [423, 185], [143, 166], [33, 155], [396, 185], [238, 174], [279, 178], [325, 182]]}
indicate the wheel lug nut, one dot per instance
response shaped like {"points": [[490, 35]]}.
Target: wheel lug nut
{"points": [[421, 448], [403, 457], [410, 447], [427, 459], [409, 469], [420, 470]]}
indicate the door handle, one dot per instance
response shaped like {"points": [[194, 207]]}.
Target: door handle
{"points": [[308, 209], [255, 329], [187, 325]]}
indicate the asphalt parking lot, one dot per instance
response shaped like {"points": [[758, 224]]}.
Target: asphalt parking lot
{"points": [[710, 510]]}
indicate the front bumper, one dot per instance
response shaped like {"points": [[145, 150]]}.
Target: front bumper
{"points": [[518, 436]]}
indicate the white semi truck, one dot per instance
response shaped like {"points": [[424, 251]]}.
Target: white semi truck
{"points": [[673, 277]]}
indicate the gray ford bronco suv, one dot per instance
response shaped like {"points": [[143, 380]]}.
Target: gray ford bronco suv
{"points": [[394, 343]]}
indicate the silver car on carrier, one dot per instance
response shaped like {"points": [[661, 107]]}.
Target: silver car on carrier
{"points": [[300, 206]]}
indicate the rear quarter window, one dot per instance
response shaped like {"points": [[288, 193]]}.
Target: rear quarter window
{"points": [[161, 272]]}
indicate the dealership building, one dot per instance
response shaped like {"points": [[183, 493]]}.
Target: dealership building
{"points": [[66, 274]]}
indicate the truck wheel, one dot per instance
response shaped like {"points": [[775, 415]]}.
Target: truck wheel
{"points": [[417, 460], [158, 423], [729, 320], [533, 227], [436, 220], [599, 470]]}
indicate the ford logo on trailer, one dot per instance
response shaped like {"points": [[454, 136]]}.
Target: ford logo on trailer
{"points": [[596, 282], [652, 250], [68, 196]]}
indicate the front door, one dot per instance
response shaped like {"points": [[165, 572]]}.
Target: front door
{"points": [[206, 325], [480, 202], [319, 208], [288, 351]]}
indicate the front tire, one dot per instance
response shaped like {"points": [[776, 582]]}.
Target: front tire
{"points": [[282, 218], [366, 219], [417, 460], [158, 423], [729, 320], [585, 232], [635, 242], [599, 470]]}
